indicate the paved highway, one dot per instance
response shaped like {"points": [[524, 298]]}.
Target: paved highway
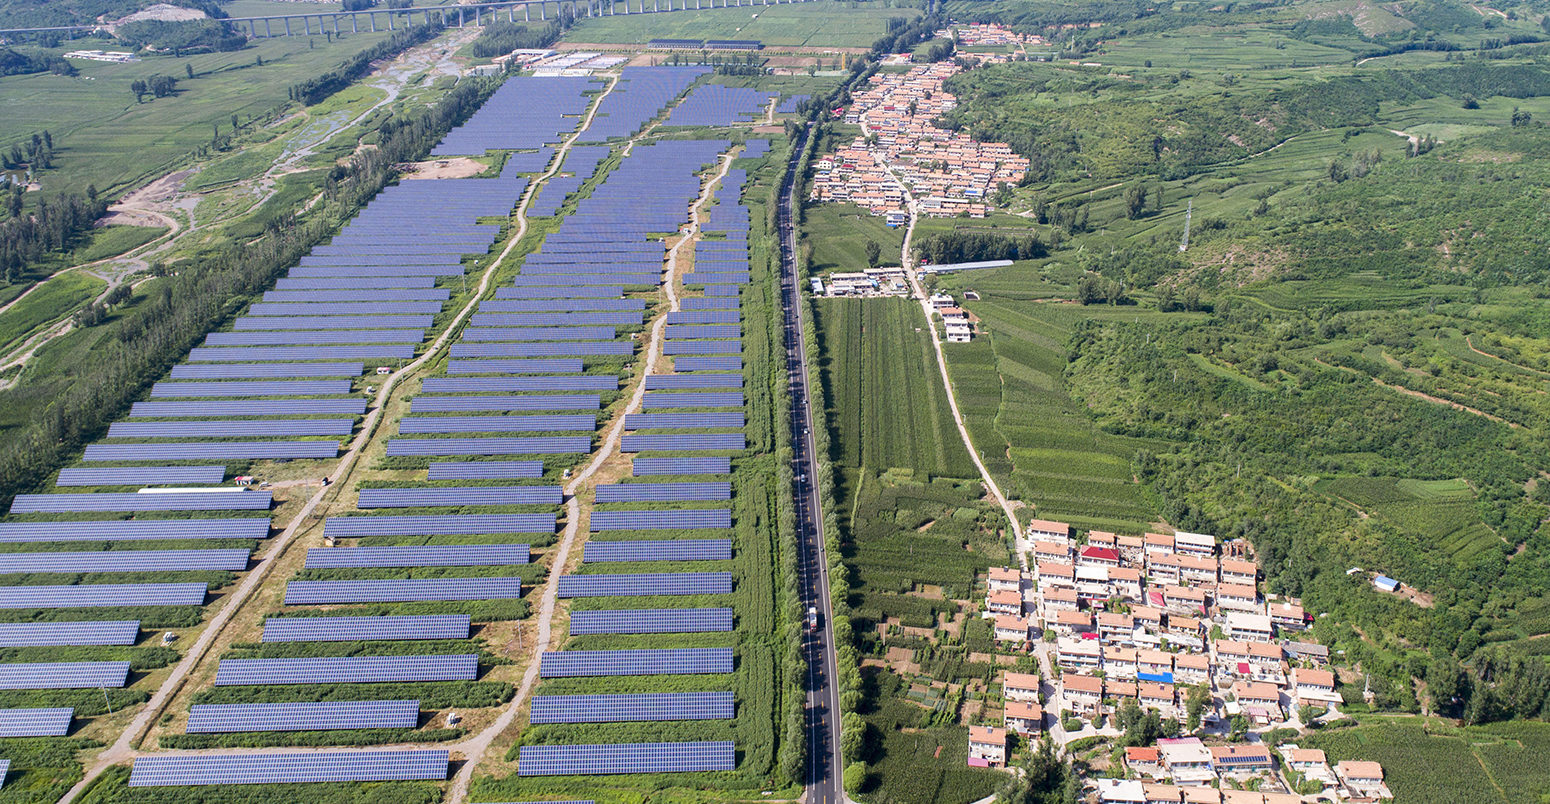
{"points": [[823, 703]]}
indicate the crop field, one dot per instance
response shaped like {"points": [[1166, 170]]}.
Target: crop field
{"points": [[95, 120], [839, 233], [906, 535], [911, 761], [1439, 512], [57, 297], [1054, 458], [1431, 761], [817, 25], [885, 393]]}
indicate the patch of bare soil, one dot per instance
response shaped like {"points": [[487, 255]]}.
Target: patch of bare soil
{"points": [[129, 217], [456, 168]]}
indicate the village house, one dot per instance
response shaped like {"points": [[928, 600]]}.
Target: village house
{"points": [[1314, 687], [1005, 603], [1092, 584], [1186, 632], [1159, 696], [1362, 780], [1287, 617], [1185, 599], [1191, 668], [1260, 701], [1249, 627], [1023, 717], [1056, 599], [1057, 552], [1009, 628], [1194, 544], [1239, 598], [1048, 530], [1158, 544], [1121, 791], [1164, 793], [1101, 538], [1306, 652], [1115, 628], [1187, 760], [1055, 574], [1078, 655], [1241, 759], [1119, 662], [1093, 556], [1070, 623], [1131, 548], [1125, 582], [987, 747], [1165, 569], [1004, 579], [1020, 687], [1237, 571], [1197, 569], [1309, 762], [1144, 762], [1146, 617], [1082, 694]]}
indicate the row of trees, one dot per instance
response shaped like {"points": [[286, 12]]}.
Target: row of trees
{"points": [[500, 38], [25, 240], [37, 152], [973, 246], [316, 89], [158, 86], [16, 62]]}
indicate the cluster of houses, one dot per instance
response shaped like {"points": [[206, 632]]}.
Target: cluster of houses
{"points": [[947, 172], [1192, 766], [955, 319], [887, 280], [984, 35], [1147, 618]]}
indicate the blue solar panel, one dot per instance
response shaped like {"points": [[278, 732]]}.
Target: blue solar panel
{"points": [[448, 404], [680, 382], [251, 388], [650, 621], [125, 561], [439, 555], [350, 527], [471, 495], [279, 407], [123, 501], [211, 450], [239, 371], [559, 292], [354, 282], [492, 341], [708, 363], [659, 400], [91, 632], [517, 385], [288, 337], [566, 305], [234, 428], [321, 766], [674, 348], [624, 758], [631, 708], [486, 470], [667, 661], [697, 519], [63, 675], [304, 716], [498, 424], [704, 317], [661, 550], [704, 303], [515, 366], [682, 421], [252, 354], [352, 629], [97, 595], [346, 670], [141, 475], [489, 446], [683, 442], [682, 466], [359, 295], [683, 331], [35, 723], [346, 308], [124, 530], [635, 585], [660, 492], [303, 593], [554, 319], [565, 349]]}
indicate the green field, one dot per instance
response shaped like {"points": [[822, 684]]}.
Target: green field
{"points": [[1432, 761], [820, 25], [838, 234], [886, 401], [57, 297], [103, 137]]}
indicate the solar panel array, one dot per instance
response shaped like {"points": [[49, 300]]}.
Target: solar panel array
{"points": [[348, 527], [235, 500], [630, 708], [650, 621], [651, 662], [125, 561], [720, 105], [441, 555], [647, 467], [669, 550], [565, 760], [345, 670], [91, 632], [220, 718], [663, 492], [634, 585], [690, 519], [53, 722], [301, 593], [108, 530], [471, 495], [683, 442], [63, 675], [351, 629], [487, 470], [523, 113], [639, 96], [141, 475], [102, 594], [321, 766]]}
